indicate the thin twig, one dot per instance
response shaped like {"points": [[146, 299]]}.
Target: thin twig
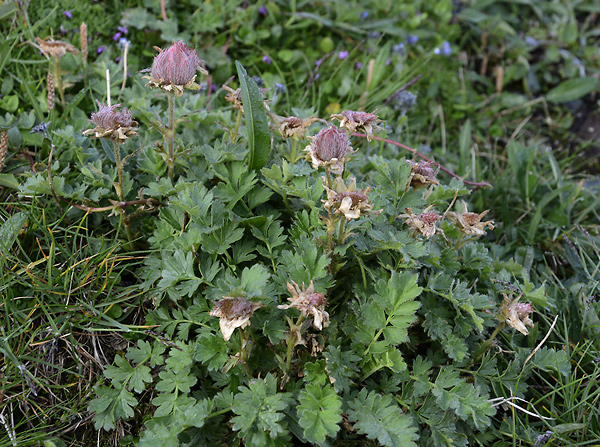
{"points": [[401, 89], [541, 343], [417, 153], [92, 209]]}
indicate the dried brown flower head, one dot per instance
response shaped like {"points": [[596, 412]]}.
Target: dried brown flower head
{"points": [[294, 127], [174, 69], [516, 314], [308, 302], [423, 223], [470, 223], [3, 148], [354, 120], [233, 313], [112, 124], [422, 174], [347, 200], [329, 148], [55, 48]]}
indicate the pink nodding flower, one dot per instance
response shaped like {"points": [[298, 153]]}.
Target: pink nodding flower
{"points": [[176, 65]]}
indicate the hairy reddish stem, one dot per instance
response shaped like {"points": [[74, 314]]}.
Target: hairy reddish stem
{"points": [[417, 153]]}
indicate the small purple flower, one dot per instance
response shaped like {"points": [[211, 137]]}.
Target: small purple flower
{"points": [[388, 62], [116, 37], [68, 14], [318, 62], [123, 42], [411, 40], [101, 49], [122, 29], [317, 76], [445, 50], [279, 88], [262, 10], [358, 65], [364, 15], [342, 54], [118, 59], [266, 59], [400, 48], [374, 34]]}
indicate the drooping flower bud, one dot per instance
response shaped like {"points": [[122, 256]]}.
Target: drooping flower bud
{"points": [[423, 223], [233, 313], [329, 148], [175, 68], [422, 174], [347, 199], [516, 314], [112, 124], [470, 223]]}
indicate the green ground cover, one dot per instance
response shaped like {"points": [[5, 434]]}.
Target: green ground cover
{"points": [[352, 223]]}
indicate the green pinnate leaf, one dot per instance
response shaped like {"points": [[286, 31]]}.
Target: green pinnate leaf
{"points": [[379, 417], [259, 411], [111, 405], [319, 412]]}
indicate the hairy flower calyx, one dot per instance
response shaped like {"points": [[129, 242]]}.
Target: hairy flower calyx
{"points": [[329, 148], [112, 124], [174, 69]]}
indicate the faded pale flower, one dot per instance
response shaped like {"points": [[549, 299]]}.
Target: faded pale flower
{"points": [[422, 174], [308, 302], [470, 223], [174, 69], [295, 127], [233, 313], [423, 223], [329, 148], [55, 48], [516, 314], [112, 124], [235, 97], [347, 200], [353, 121]]}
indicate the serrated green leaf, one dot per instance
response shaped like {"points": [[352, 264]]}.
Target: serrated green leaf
{"points": [[379, 417], [319, 412], [259, 139]]}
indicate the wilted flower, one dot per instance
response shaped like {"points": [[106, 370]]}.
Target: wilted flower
{"points": [[470, 223], [422, 174], [347, 200], [329, 148], [423, 223], [353, 120], [112, 124], [308, 302], [174, 69], [515, 314], [56, 48], [292, 126], [233, 313], [235, 97]]}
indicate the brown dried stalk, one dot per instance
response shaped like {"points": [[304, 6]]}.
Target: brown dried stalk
{"points": [[50, 81], [3, 148], [83, 37]]}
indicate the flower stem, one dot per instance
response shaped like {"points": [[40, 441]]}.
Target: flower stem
{"points": [[291, 342], [485, 346], [171, 135], [245, 352], [119, 163]]}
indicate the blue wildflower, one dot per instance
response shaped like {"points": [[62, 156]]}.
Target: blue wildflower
{"points": [[342, 54], [101, 49], [358, 65], [262, 10], [259, 81], [266, 59], [116, 37], [531, 41], [123, 42], [399, 48], [279, 88], [122, 29], [364, 15], [411, 40], [68, 14]]}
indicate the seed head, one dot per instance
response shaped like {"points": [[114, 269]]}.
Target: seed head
{"points": [[233, 313], [308, 302], [354, 120]]}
